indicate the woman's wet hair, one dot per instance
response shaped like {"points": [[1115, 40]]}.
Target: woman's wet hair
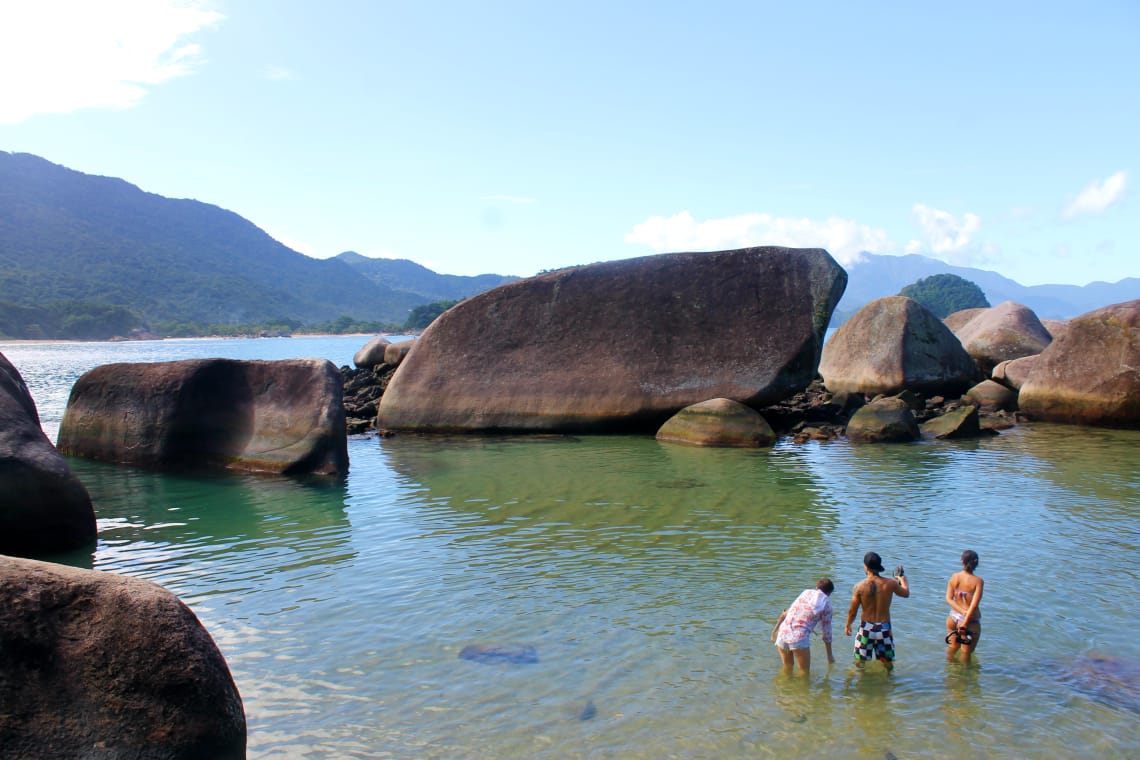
{"points": [[825, 585], [970, 560]]}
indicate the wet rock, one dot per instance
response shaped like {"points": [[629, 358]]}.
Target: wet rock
{"points": [[963, 422], [885, 420], [99, 665], [620, 346], [44, 507], [718, 422]]}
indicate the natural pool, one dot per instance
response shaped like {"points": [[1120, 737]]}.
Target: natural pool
{"points": [[647, 578]]}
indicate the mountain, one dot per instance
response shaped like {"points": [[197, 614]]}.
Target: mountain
{"points": [[102, 242], [875, 276], [410, 277]]}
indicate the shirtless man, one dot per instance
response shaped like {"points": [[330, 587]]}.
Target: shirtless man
{"points": [[874, 594]]}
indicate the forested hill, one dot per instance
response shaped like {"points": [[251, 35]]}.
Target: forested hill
{"points": [[409, 276], [77, 246]]}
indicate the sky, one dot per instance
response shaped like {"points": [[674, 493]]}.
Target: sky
{"points": [[514, 137]]}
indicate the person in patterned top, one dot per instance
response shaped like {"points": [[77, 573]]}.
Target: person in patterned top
{"points": [[793, 630]]}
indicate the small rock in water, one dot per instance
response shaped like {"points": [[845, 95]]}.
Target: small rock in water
{"points": [[888, 755], [497, 654], [589, 711]]}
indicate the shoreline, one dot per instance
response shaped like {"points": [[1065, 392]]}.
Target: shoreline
{"points": [[62, 341]]}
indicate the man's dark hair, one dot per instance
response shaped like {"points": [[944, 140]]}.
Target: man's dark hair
{"points": [[825, 585]]}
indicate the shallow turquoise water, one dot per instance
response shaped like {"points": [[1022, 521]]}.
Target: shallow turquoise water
{"points": [[647, 578]]}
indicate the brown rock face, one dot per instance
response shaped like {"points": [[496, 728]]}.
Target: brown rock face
{"points": [[895, 344], [992, 396], [620, 346], [718, 422], [960, 319], [963, 422], [100, 665], [1091, 374], [43, 506], [1013, 373], [371, 353], [885, 420], [258, 416], [1006, 331]]}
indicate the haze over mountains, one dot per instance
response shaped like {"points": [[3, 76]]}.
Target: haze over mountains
{"points": [[68, 239]]}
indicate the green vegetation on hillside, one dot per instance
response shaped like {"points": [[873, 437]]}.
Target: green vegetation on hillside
{"points": [[945, 294], [424, 315]]}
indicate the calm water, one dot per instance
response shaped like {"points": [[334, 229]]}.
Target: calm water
{"points": [[647, 578]]}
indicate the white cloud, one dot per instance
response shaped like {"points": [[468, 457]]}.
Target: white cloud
{"points": [[843, 238], [1097, 197], [59, 56], [942, 232]]}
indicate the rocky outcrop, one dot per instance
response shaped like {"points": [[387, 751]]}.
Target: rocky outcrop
{"points": [[371, 354], [362, 391], [719, 422], [44, 508], [1006, 331], [959, 319], [1013, 373], [621, 345], [258, 416], [992, 396], [1056, 327], [99, 665], [892, 344], [963, 422], [1091, 374], [884, 420]]}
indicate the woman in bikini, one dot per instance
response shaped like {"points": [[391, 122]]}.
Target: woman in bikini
{"points": [[964, 595]]}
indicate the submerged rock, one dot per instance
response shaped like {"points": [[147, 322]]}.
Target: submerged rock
{"points": [[500, 654], [44, 507], [260, 416], [621, 345], [717, 422], [100, 665]]}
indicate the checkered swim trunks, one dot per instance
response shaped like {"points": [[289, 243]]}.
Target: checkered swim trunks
{"points": [[874, 641]]}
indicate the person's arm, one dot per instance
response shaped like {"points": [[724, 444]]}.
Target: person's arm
{"points": [[952, 599], [902, 588], [776, 628], [830, 656], [977, 597], [851, 610], [828, 613]]}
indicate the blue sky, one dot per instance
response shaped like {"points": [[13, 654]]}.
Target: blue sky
{"points": [[512, 137]]}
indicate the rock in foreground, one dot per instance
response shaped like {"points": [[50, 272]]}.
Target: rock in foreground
{"points": [[620, 346], [44, 508], [98, 665], [884, 420], [1090, 375], [257, 416]]}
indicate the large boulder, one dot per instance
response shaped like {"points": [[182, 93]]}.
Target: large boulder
{"points": [[884, 420], [394, 353], [100, 665], [1006, 331], [44, 508], [962, 317], [621, 345], [259, 416], [718, 422], [1091, 374], [895, 344]]}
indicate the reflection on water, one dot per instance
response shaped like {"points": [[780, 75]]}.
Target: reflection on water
{"points": [[646, 578]]}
